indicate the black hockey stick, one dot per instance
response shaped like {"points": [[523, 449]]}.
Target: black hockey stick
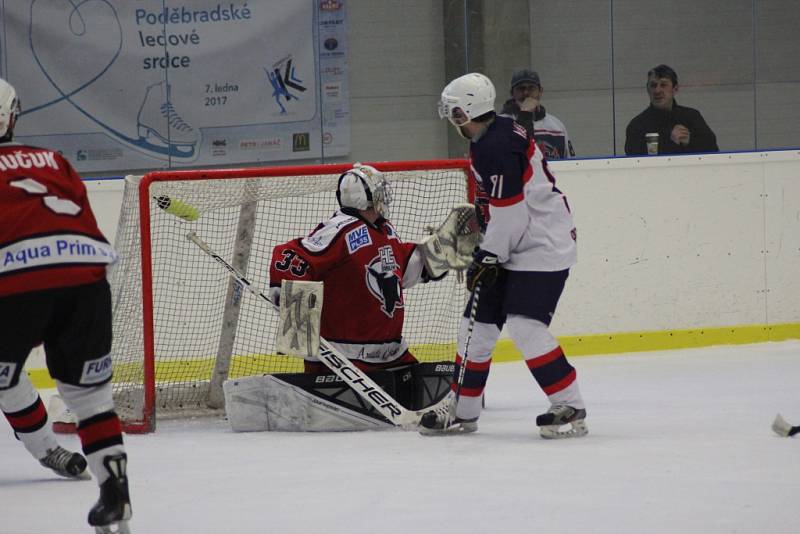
{"points": [[473, 311], [341, 366], [430, 418]]}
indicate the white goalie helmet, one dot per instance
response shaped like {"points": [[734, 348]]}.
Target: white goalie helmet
{"points": [[9, 108], [364, 187], [467, 97]]}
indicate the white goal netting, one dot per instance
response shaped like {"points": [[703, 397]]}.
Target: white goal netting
{"points": [[181, 316]]}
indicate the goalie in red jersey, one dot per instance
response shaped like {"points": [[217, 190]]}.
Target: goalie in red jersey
{"points": [[364, 266], [53, 291]]}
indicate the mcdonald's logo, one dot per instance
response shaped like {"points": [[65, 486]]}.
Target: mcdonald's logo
{"points": [[301, 142]]}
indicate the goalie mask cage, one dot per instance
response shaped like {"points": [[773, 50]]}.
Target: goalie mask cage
{"points": [[182, 325]]}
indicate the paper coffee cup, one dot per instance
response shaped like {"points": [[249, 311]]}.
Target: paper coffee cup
{"points": [[652, 143]]}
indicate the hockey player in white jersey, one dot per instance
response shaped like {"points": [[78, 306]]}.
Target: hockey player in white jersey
{"points": [[519, 271], [525, 107]]}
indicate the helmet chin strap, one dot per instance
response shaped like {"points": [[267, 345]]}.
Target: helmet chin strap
{"points": [[477, 130], [460, 131]]}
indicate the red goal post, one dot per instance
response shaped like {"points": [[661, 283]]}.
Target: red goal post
{"points": [[182, 325]]}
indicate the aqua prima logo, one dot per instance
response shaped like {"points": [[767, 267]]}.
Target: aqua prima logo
{"points": [[301, 142]]}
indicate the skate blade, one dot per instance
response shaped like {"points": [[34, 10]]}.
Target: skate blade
{"points": [[577, 429], [781, 427], [459, 428], [120, 527], [83, 475]]}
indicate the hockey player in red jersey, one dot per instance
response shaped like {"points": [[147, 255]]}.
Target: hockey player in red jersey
{"points": [[365, 267], [53, 290], [519, 271]]}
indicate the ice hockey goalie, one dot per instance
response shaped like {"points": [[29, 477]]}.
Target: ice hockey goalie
{"points": [[365, 267]]}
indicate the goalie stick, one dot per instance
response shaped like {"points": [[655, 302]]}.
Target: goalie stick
{"points": [[354, 377], [784, 429]]}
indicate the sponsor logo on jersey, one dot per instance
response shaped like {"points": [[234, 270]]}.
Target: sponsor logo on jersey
{"points": [[55, 250], [358, 238], [96, 371], [7, 370], [383, 282]]}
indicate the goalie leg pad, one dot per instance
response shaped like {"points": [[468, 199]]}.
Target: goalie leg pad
{"points": [[432, 381], [268, 402], [300, 402]]}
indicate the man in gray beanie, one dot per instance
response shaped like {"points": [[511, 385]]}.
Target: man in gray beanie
{"points": [[524, 107]]}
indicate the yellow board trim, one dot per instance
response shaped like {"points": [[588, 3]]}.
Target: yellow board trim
{"points": [[622, 342], [505, 351]]}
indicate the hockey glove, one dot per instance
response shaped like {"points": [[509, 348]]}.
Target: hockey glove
{"points": [[484, 269]]}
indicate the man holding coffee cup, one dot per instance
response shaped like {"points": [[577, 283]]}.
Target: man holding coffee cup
{"points": [[666, 127]]}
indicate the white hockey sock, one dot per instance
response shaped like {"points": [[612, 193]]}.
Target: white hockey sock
{"points": [[98, 424], [570, 395], [26, 413], [479, 359], [545, 359]]}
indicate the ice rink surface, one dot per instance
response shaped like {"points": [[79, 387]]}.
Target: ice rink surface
{"points": [[679, 442]]}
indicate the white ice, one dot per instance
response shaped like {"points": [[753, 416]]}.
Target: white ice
{"points": [[679, 442]]}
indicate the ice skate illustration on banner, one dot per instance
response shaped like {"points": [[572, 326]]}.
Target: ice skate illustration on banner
{"points": [[159, 131], [161, 128]]}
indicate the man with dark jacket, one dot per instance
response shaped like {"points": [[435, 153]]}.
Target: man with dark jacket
{"points": [[680, 129]]}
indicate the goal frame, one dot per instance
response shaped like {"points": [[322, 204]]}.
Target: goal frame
{"points": [[148, 420]]}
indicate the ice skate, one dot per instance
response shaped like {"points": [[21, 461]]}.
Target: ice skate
{"points": [[442, 420], [442, 427], [558, 415], [112, 511], [161, 128], [66, 464]]}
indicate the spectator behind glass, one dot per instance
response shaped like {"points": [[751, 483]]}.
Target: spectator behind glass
{"points": [[525, 108], [680, 129]]}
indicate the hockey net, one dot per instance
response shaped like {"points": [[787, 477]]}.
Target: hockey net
{"points": [[181, 324]]}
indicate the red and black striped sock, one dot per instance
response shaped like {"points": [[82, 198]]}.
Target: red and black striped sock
{"points": [[29, 419]]}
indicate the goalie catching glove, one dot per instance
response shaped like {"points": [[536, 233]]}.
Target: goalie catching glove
{"points": [[451, 245], [483, 269]]}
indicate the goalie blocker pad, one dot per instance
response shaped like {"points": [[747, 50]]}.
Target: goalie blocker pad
{"points": [[298, 402], [300, 316]]}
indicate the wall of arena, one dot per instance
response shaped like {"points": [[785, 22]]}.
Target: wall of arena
{"points": [[673, 251]]}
